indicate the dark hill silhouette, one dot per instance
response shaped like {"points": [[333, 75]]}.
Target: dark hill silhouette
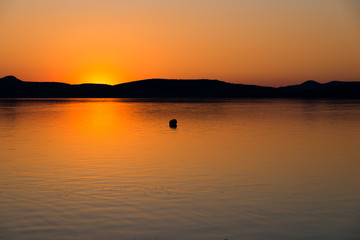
{"points": [[313, 89], [310, 84], [202, 88], [10, 80], [11, 87]]}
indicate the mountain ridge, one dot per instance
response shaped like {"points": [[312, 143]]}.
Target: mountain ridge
{"points": [[12, 87]]}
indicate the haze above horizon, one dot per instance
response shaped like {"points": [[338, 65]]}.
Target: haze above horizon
{"points": [[259, 42]]}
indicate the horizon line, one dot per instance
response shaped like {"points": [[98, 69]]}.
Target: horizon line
{"points": [[177, 79]]}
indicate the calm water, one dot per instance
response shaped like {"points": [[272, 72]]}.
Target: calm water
{"points": [[233, 169]]}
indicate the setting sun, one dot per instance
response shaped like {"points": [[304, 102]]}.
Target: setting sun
{"points": [[99, 73], [99, 77]]}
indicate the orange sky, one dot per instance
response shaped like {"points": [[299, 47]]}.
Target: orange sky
{"points": [[262, 42]]}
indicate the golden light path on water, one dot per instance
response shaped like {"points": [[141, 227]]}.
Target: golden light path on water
{"points": [[233, 169]]}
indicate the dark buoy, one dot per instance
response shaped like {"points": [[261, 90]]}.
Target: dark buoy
{"points": [[173, 123]]}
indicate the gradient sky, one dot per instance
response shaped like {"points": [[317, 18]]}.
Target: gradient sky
{"points": [[262, 42]]}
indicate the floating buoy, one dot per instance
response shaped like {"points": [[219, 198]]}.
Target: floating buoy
{"points": [[173, 123]]}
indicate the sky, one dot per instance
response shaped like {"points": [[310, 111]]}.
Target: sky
{"points": [[263, 42]]}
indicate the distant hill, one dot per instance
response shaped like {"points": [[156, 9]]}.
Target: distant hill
{"points": [[202, 88], [11, 87], [313, 89]]}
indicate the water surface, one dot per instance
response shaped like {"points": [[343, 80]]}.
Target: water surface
{"points": [[233, 169]]}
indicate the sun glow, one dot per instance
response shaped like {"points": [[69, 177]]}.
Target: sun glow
{"points": [[99, 77], [100, 74]]}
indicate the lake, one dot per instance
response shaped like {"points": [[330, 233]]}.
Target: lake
{"points": [[232, 169]]}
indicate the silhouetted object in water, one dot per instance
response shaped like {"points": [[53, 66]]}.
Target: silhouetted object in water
{"points": [[173, 123]]}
